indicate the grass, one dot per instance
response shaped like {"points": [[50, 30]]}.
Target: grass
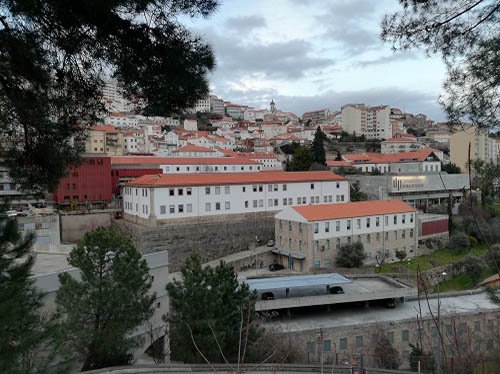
{"points": [[463, 282], [438, 258]]}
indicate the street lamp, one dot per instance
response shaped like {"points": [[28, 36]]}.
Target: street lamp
{"points": [[408, 262], [438, 369]]}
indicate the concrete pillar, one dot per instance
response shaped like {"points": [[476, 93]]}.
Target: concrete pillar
{"points": [[152, 203]]}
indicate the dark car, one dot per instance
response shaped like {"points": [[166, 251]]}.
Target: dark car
{"points": [[337, 290], [267, 296], [389, 304], [275, 267]]}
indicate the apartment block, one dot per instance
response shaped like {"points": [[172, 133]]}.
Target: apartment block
{"points": [[482, 147], [373, 122]]}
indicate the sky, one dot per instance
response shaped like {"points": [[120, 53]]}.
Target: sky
{"points": [[314, 54]]}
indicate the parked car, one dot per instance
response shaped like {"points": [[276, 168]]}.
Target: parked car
{"points": [[275, 266], [337, 290], [270, 243], [389, 304], [267, 296], [11, 213]]}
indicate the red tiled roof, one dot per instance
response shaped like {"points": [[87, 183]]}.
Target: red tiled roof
{"points": [[106, 128], [193, 148], [167, 180], [353, 209], [333, 163], [401, 140], [181, 161], [493, 278], [374, 158]]}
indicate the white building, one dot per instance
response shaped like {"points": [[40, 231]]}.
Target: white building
{"points": [[439, 136], [154, 200], [191, 150], [373, 122], [190, 125], [401, 144], [310, 236], [216, 105], [134, 141]]}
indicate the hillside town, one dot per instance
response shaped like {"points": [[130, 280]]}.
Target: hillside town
{"points": [[140, 234]]}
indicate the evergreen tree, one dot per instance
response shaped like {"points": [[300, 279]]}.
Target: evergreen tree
{"points": [[207, 300], [23, 330], [302, 159], [110, 301], [318, 148], [355, 192], [53, 55], [351, 255], [450, 168]]}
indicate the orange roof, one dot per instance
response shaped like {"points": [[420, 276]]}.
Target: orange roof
{"points": [[401, 140], [333, 163], [106, 128], [354, 209], [193, 148], [491, 279], [167, 180], [379, 158], [181, 161]]}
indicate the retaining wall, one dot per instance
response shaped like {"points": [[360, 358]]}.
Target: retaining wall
{"points": [[74, 225]]}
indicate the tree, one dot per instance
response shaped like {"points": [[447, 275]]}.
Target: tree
{"points": [[450, 168], [207, 306], [473, 267], [459, 242], [493, 258], [54, 54], [302, 159], [166, 128], [351, 255], [401, 255], [23, 328], [318, 148], [109, 303], [488, 174], [356, 193], [386, 356], [465, 33]]}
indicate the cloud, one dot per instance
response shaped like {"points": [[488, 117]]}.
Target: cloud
{"points": [[289, 60], [245, 24], [387, 59]]}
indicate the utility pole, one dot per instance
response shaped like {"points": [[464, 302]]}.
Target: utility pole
{"points": [[438, 353]]}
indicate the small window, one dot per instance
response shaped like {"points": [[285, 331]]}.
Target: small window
{"points": [[289, 225], [217, 206], [181, 208], [244, 189], [377, 221], [227, 205], [227, 190], [208, 207], [312, 186], [261, 188], [269, 202], [403, 219], [348, 224], [189, 208], [246, 203], [217, 190], [310, 347], [411, 233], [269, 187], [327, 226], [255, 203], [207, 190], [254, 188], [284, 187], [395, 220], [316, 245], [327, 345], [358, 223], [359, 341], [368, 222], [343, 343], [171, 209], [405, 335], [180, 191], [390, 337], [285, 200], [316, 227], [163, 209], [189, 191]]}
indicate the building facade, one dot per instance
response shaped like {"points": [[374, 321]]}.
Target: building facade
{"points": [[401, 144], [373, 122], [482, 147], [310, 236], [155, 200]]}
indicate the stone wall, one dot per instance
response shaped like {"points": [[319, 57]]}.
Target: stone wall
{"points": [[211, 240], [73, 225]]}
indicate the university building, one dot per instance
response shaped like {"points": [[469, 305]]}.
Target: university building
{"points": [[309, 237], [162, 199]]}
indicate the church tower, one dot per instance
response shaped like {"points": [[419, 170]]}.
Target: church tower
{"points": [[273, 106]]}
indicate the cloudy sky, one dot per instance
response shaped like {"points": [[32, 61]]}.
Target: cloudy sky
{"points": [[311, 54]]}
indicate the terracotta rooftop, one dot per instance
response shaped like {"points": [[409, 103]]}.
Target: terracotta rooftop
{"points": [[201, 179], [181, 161], [353, 209], [193, 148]]}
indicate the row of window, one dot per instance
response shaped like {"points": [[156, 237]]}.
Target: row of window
{"points": [[210, 168]]}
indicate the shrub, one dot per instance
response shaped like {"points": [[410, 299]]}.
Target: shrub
{"points": [[473, 241], [459, 242], [490, 260], [351, 255], [473, 267]]}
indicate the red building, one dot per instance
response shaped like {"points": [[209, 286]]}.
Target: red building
{"points": [[89, 182], [121, 176]]}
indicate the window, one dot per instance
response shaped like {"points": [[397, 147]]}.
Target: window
{"points": [[327, 243], [462, 328], [276, 187], [316, 245], [312, 199], [300, 227], [338, 185], [405, 335], [359, 341], [310, 347], [316, 227], [207, 190], [377, 221], [337, 226], [255, 203], [395, 234], [328, 264], [395, 220], [261, 203], [261, 188], [343, 343], [207, 207], [189, 208], [289, 243], [217, 190], [348, 224], [254, 188], [281, 225], [227, 205], [270, 202], [276, 202], [325, 199], [341, 197], [304, 200], [330, 198], [477, 326], [290, 201], [403, 220], [299, 200], [189, 191], [327, 345], [403, 234], [180, 191], [289, 225], [317, 264], [246, 203], [244, 189], [312, 186], [227, 189], [284, 187], [387, 220], [411, 233], [327, 226], [390, 337], [217, 206], [181, 208], [300, 245], [163, 209], [377, 237], [337, 243], [411, 218], [269, 187], [349, 240], [358, 223], [171, 209]]}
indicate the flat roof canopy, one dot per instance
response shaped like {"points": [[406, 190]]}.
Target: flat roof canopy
{"points": [[296, 281]]}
